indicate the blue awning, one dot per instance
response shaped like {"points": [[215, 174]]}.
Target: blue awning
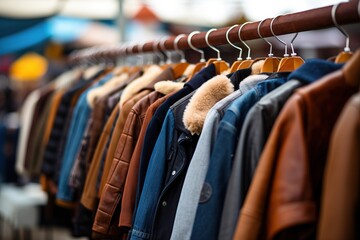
{"points": [[18, 35]]}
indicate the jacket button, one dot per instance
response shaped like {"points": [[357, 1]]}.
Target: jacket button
{"points": [[164, 203], [173, 172]]}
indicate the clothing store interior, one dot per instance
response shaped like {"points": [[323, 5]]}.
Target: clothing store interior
{"points": [[201, 120]]}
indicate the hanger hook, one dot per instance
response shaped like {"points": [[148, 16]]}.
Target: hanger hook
{"points": [[293, 53], [176, 47], [162, 46], [130, 48], [272, 31], [271, 46], [140, 48], [137, 57], [157, 51], [202, 59], [212, 47], [228, 40], [341, 29], [243, 42]]}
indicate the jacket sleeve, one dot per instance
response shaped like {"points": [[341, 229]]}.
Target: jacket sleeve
{"points": [[284, 157], [153, 181]]}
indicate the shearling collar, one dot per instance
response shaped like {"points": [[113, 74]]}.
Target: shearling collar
{"points": [[166, 87], [203, 100], [135, 86]]}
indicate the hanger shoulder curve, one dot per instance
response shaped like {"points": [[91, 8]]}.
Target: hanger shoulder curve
{"points": [[343, 57], [179, 69], [245, 64], [235, 65], [197, 68], [289, 64], [270, 65], [221, 66]]}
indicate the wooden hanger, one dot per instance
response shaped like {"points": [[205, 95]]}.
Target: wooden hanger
{"points": [[345, 55], [271, 63], [293, 62], [352, 70], [236, 63], [179, 68], [201, 64], [220, 65], [248, 61], [287, 64]]}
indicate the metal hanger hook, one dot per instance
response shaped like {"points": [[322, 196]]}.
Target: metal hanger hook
{"points": [[157, 51], [271, 46], [341, 29], [162, 46], [228, 40], [141, 52], [243, 42], [141, 47], [293, 53], [202, 58], [212, 47], [272, 31], [176, 47]]}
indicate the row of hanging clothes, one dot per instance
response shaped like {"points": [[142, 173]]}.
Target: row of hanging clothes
{"points": [[259, 149]]}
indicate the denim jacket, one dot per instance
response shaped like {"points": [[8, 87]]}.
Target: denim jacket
{"points": [[158, 178], [208, 213], [157, 122], [195, 176]]}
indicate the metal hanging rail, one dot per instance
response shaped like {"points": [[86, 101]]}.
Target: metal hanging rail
{"points": [[314, 19]]}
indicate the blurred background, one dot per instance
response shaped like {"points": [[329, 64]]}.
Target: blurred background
{"points": [[37, 36]]}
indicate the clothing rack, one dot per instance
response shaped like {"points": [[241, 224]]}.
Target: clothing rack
{"points": [[314, 19]]}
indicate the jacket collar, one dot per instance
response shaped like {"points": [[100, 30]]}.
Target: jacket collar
{"points": [[167, 87], [167, 74], [202, 76], [313, 69], [203, 100]]}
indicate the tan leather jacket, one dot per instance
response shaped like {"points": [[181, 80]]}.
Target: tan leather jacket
{"points": [[340, 199], [283, 199]]}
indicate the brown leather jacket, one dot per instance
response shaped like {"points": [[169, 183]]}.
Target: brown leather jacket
{"points": [[114, 186], [116, 175], [88, 197], [283, 199], [167, 74], [129, 196], [339, 215]]}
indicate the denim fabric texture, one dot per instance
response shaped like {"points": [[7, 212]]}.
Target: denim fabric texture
{"points": [[176, 165], [207, 220], [152, 186], [190, 194], [153, 171], [156, 122]]}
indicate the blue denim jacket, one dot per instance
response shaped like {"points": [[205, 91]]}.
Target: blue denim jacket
{"points": [[208, 213], [155, 171], [154, 127], [152, 186], [78, 123]]}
